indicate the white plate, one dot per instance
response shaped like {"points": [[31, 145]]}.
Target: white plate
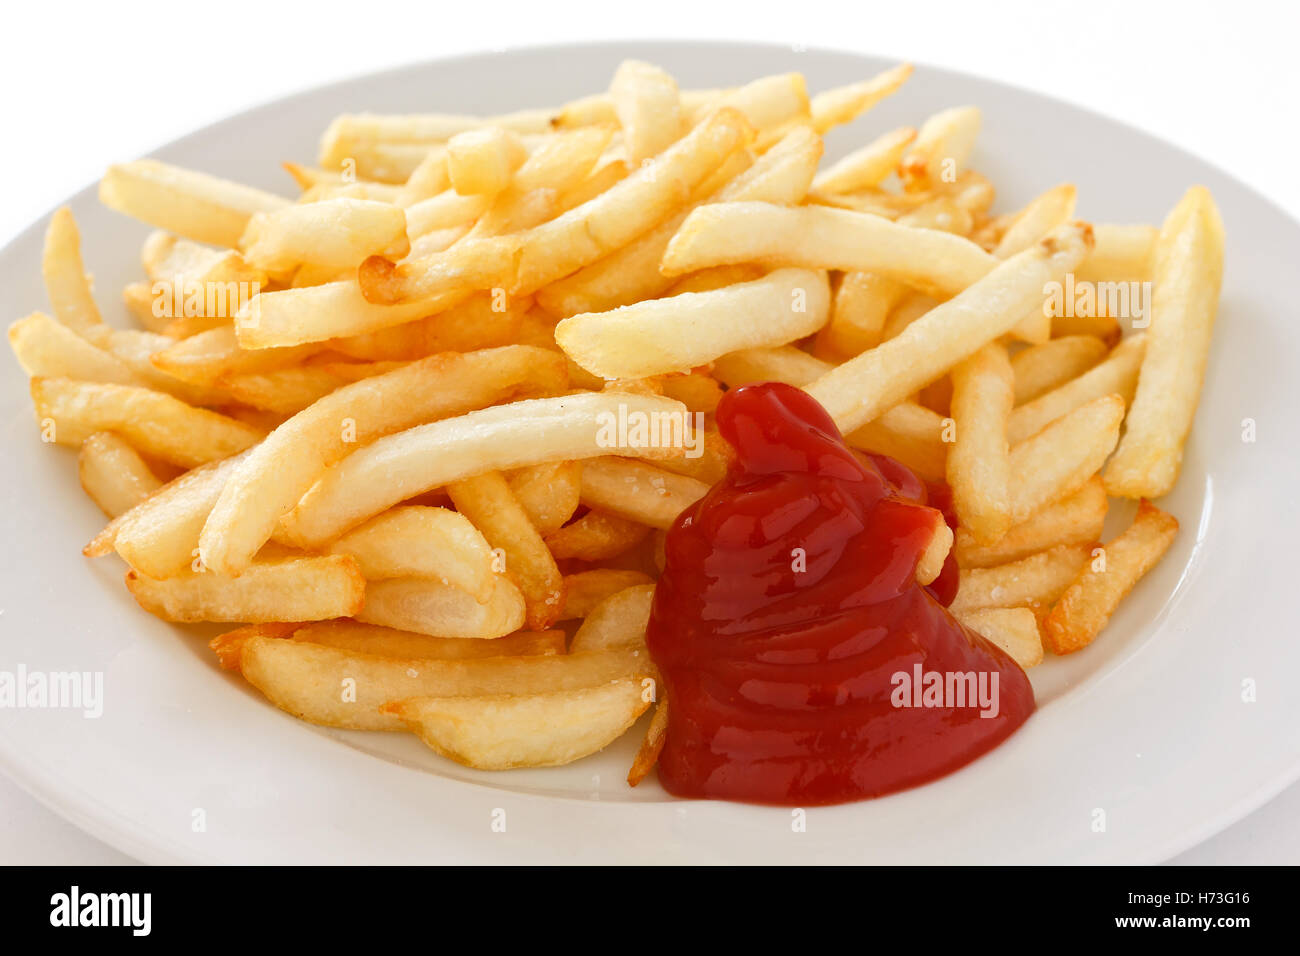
{"points": [[1148, 726]]}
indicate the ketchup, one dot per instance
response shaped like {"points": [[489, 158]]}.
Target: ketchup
{"points": [[789, 608]]}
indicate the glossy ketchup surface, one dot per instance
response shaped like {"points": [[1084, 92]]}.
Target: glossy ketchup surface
{"points": [[789, 607]]}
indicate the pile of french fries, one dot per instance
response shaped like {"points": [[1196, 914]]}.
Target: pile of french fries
{"points": [[384, 463]]}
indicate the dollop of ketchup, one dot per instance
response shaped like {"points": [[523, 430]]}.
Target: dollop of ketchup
{"points": [[789, 608]]}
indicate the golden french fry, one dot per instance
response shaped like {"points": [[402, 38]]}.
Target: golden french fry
{"points": [[819, 237], [683, 331], [473, 324], [1041, 368], [45, 347], [204, 358], [1076, 518], [979, 461], [547, 492], [648, 109], [864, 387], [333, 233], [910, 433], [427, 606], [504, 731], [482, 161], [588, 591], [486, 500], [930, 564], [1117, 375], [648, 753], [863, 303], [941, 149], [1032, 582], [113, 474], [866, 167], [844, 104], [306, 680], [596, 536], [781, 364], [637, 491], [389, 642], [303, 589], [349, 129], [157, 424], [293, 457], [188, 203], [1087, 604], [1057, 460], [1188, 271], [422, 542], [1013, 629], [65, 275], [1045, 213], [409, 463], [1122, 254]]}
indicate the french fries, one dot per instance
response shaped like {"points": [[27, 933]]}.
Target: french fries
{"points": [[460, 389]]}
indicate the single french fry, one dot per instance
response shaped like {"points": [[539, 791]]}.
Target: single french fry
{"points": [[596, 536], [691, 329], [548, 492], [781, 364], [941, 149], [864, 387], [304, 589], [1188, 271], [409, 463], [294, 456], [205, 358], [586, 591], [930, 564], [422, 542], [651, 746], [1087, 604], [427, 606], [637, 491], [486, 500], [648, 109], [910, 433], [1117, 375], [158, 425], [305, 679], [863, 303], [1077, 518], [979, 461], [1032, 582], [844, 104], [188, 203], [482, 161], [868, 166], [352, 635], [113, 474], [541, 730], [334, 234], [1122, 254], [1045, 213], [1041, 368], [1013, 629], [1058, 460], [65, 275], [47, 348]]}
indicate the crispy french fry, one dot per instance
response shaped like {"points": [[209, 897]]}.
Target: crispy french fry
{"points": [[1076, 518], [1032, 582], [863, 303], [427, 606], [113, 474], [1045, 213], [1117, 375], [421, 542], [587, 591], [400, 466], [389, 642], [844, 104], [482, 161], [205, 358], [547, 492], [306, 680], [1187, 273], [866, 167], [334, 234], [862, 388], [1013, 629], [666, 335], [304, 589], [1041, 368], [45, 347], [648, 109], [596, 536], [941, 149], [931, 562], [1057, 460], [781, 364], [487, 501], [293, 457], [910, 433], [1087, 604], [540, 730], [637, 491], [1122, 253], [653, 743], [979, 461], [188, 203], [65, 275], [157, 424]]}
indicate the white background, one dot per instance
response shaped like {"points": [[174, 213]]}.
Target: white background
{"points": [[85, 85]]}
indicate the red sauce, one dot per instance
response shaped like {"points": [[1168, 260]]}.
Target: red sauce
{"points": [[783, 670]]}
